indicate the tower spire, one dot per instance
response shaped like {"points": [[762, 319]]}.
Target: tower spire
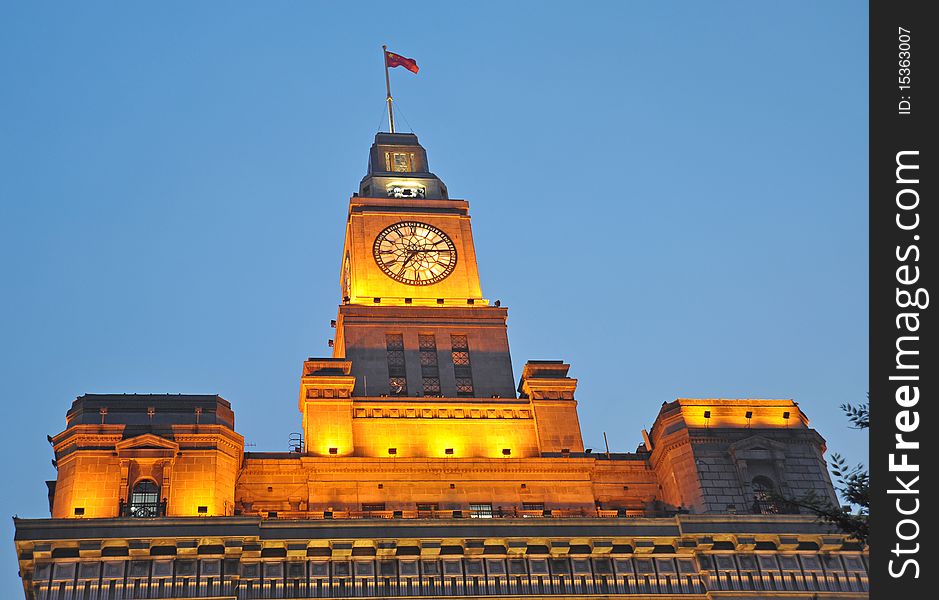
{"points": [[391, 114]]}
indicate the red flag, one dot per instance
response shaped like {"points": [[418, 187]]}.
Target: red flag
{"points": [[396, 60]]}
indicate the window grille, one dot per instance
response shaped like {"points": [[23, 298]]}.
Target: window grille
{"points": [[397, 374], [430, 371], [145, 500], [399, 162], [464, 386], [765, 500], [462, 369], [427, 341], [398, 386], [431, 386], [481, 511]]}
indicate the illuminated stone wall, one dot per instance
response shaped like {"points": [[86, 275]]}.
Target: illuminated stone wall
{"points": [[205, 472], [305, 486], [551, 392], [403, 453], [338, 424], [471, 431], [87, 482], [711, 454], [369, 216], [191, 464]]}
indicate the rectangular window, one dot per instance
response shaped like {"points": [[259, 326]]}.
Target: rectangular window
{"points": [[462, 370], [429, 368], [532, 505], [398, 386], [374, 507], [432, 386], [464, 386], [396, 360], [397, 375], [428, 348], [481, 511], [399, 162], [427, 506]]}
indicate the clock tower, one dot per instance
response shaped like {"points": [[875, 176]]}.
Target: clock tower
{"points": [[407, 243], [415, 336]]}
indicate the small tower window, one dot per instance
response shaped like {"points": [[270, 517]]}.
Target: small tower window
{"points": [[145, 500], [429, 368], [462, 369], [397, 375], [764, 497], [481, 511], [399, 162]]}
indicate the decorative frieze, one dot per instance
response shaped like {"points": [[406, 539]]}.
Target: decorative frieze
{"points": [[423, 412]]}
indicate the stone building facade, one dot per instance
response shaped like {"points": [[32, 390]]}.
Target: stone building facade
{"points": [[424, 469]]}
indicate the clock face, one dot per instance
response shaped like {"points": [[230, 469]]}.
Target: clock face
{"points": [[414, 253]]}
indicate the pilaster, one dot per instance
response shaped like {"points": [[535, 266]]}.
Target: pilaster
{"points": [[551, 394], [326, 404]]}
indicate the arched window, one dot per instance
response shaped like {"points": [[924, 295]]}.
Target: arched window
{"points": [[145, 499], [764, 496]]}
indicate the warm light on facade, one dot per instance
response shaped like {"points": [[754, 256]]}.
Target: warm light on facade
{"points": [[758, 414], [406, 447]]}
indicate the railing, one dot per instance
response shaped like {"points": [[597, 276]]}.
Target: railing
{"points": [[495, 513], [143, 510], [773, 506], [158, 509]]}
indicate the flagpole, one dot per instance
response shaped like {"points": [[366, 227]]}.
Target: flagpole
{"points": [[391, 114]]}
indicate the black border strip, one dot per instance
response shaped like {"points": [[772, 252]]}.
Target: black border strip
{"points": [[902, 251]]}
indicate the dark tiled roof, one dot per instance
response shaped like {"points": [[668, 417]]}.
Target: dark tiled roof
{"points": [[168, 409]]}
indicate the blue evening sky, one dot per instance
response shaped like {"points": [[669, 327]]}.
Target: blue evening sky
{"points": [[671, 196]]}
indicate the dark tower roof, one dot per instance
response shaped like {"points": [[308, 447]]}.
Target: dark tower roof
{"points": [[168, 409], [397, 168]]}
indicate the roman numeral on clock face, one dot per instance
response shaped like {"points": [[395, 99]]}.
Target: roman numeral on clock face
{"points": [[415, 253]]}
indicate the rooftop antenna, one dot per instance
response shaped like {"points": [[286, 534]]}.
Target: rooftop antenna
{"points": [[607, 444]]}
